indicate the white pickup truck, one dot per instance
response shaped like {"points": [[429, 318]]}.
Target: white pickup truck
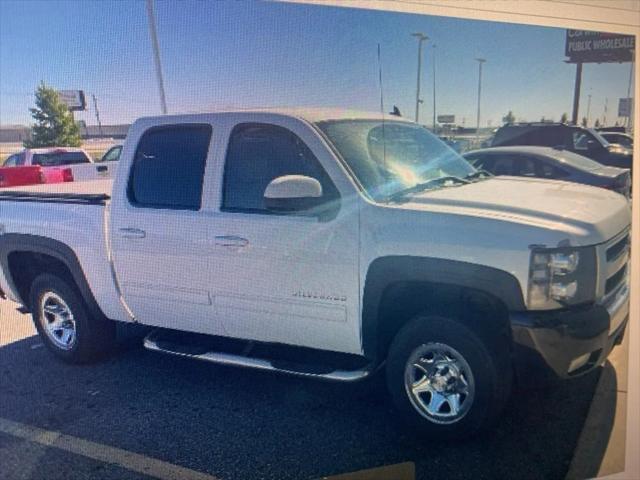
{"points": [[326, 244], [53, 160]]}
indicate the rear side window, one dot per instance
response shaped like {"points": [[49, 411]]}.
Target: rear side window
{"points": [[525, 166], [57, 159], [259, 153], [484, 162], [168, 167], [503, 165], [551, 171]]}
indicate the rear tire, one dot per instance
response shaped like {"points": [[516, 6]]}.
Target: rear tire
{"points": [[64, 324], [444, 380]]}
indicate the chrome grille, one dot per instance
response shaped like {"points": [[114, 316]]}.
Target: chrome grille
{"points": [[618, 248], [613, 261], [614, 280]]}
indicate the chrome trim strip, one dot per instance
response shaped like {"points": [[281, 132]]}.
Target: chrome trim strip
{"points": [[229, 359]]}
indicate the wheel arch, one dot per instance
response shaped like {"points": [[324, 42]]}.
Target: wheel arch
{"points": [[394, 280], [35, 246]]}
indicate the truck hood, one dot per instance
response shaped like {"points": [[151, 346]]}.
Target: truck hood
{"points": [[581, 214]]}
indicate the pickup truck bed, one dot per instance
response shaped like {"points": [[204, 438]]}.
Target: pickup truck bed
{"points": [[93, 191]]}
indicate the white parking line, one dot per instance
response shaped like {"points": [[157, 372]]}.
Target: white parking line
{"points": [[103, 453]]}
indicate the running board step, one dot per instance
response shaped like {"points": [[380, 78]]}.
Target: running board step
{"points": [[210, 349]]}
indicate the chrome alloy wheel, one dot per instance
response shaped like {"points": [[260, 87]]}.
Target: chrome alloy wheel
{"points": [[439, 383], [57, 321]]}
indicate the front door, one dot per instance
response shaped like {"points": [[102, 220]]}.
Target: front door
{"points": [[289, 279]]}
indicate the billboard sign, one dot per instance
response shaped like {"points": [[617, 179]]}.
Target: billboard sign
{"points": [[446, 118], [583, 46], [73, 99], [624, 107]]}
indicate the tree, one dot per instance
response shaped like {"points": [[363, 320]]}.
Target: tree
{"points": [[584, 122], [564, 118], [597, 124], [54, 125], [509, 117]]}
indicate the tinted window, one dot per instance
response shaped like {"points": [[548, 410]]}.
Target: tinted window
{"points": [[56, 159], [550, 171], [168, 167], [503, 165], [484, 162], [112, 155], [585, 139], [256, 155], [525, 166], [548, 136], [11, 161]]}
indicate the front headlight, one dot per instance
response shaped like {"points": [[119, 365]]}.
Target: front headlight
{"points": [[561, 277]]}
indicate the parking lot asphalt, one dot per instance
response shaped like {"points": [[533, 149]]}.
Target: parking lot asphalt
{"points": [[155, 411]]}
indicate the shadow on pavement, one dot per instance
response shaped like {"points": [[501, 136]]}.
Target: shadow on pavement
{"points": [[243, 424], [596, 434]]}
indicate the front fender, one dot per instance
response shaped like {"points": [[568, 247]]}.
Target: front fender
{"points": [[386, 271]]}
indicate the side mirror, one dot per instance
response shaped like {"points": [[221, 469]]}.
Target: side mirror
{"points": [[293, 193]]}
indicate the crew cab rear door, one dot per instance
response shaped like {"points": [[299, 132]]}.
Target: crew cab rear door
{"points": [[159, 231]]}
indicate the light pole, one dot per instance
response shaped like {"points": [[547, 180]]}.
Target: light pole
{"points": [[588, 109], [421, 38], [156, 55], [480, 62], [434, 88]]}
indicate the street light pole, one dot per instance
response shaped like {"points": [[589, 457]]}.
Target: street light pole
{"points": [[588, 109], [434, 88], [421, 38], [156, 55], [480, 62]]}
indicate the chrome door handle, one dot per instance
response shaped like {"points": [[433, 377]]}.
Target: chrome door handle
{"points": [[132, 233], [231, 241]]}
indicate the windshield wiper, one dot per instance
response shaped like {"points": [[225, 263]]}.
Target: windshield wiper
{"points": [[478, 174], [437, 182]]}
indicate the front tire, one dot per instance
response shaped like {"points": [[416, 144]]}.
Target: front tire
{"points": [[64, 323], [444, 380]]}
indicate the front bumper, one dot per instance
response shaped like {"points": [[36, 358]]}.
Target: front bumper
{"points": [[566, 343]]}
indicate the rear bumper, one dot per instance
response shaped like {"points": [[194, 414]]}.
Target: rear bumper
{"points": [[566, 343]]}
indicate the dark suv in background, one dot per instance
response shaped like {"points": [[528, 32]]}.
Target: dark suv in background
{"points": [[584, 141]]}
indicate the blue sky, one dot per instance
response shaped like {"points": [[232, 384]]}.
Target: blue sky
{"points": [[225, 54]]}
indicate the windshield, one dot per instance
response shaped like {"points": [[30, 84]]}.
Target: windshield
{"points": [[390, 158], [603, 141], [56, 159]]}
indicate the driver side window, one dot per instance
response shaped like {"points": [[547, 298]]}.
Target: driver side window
{"points": [[259, 153]]}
